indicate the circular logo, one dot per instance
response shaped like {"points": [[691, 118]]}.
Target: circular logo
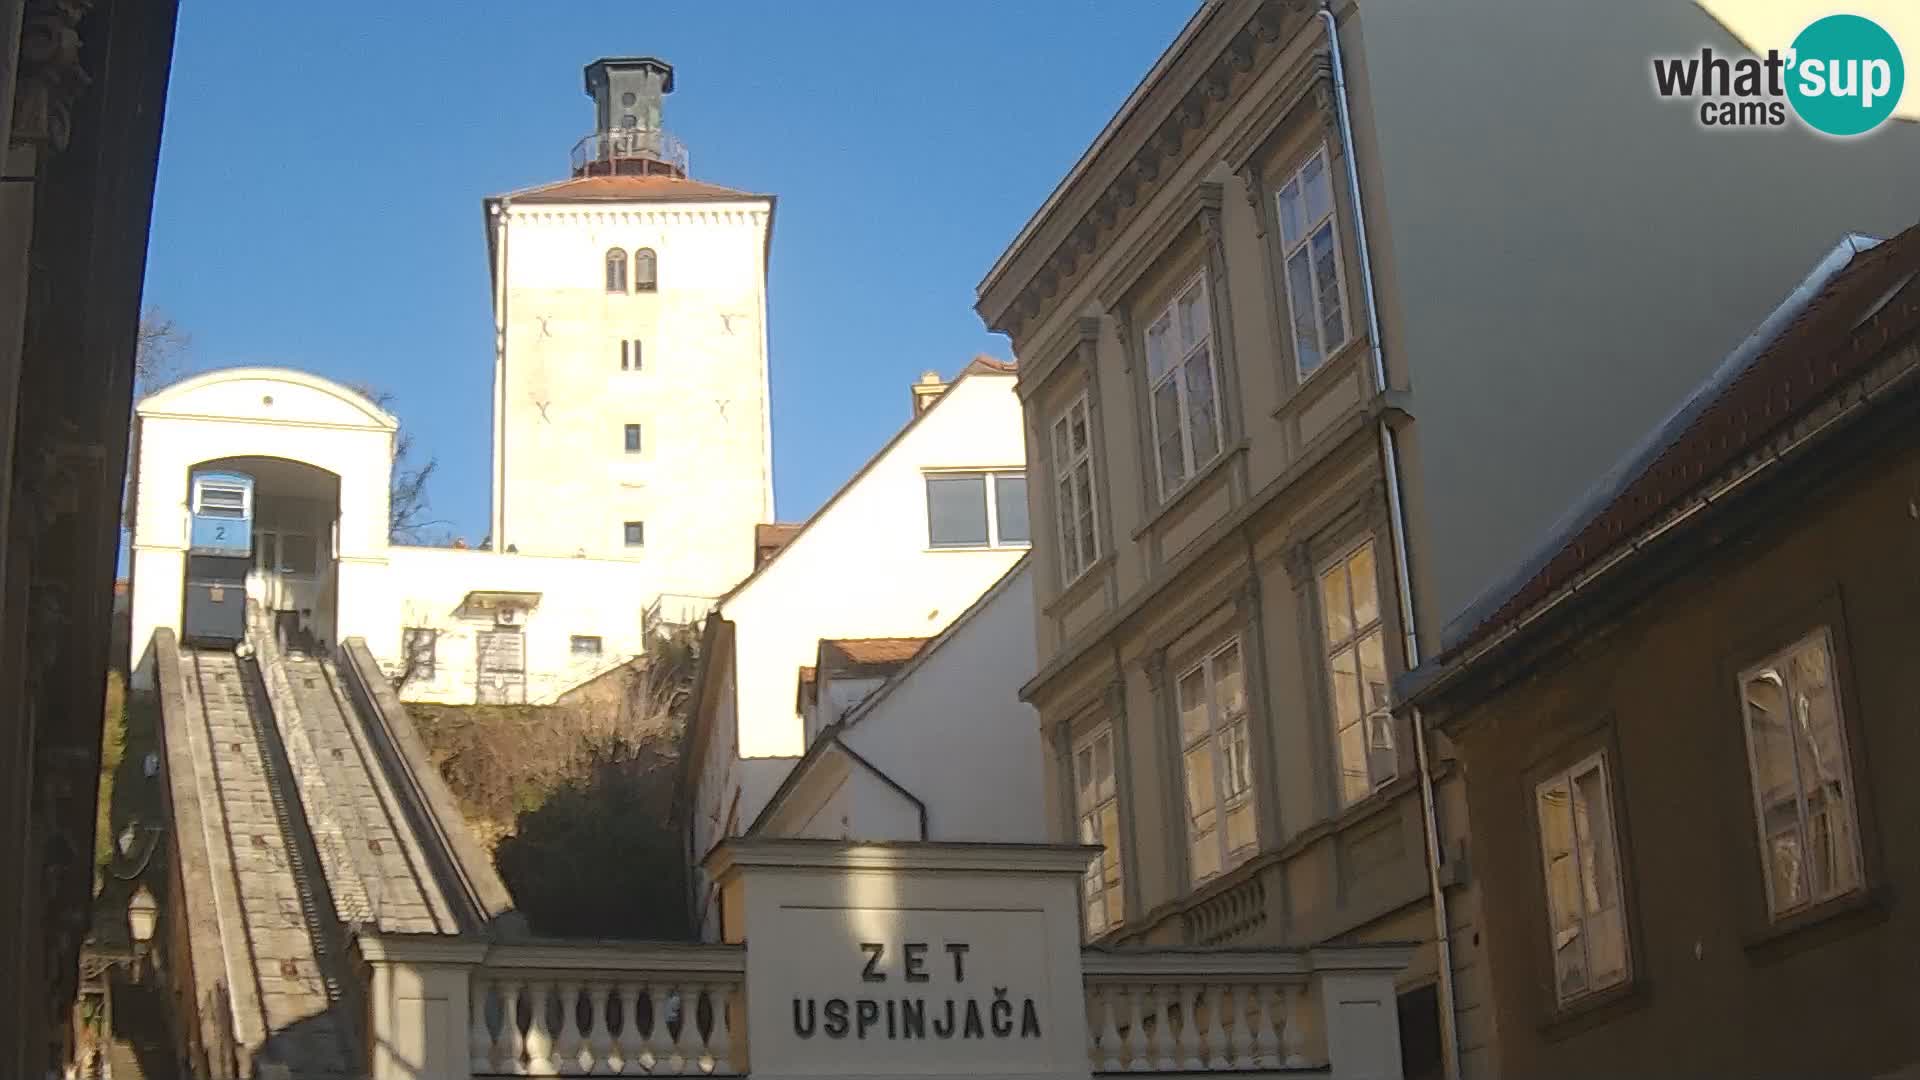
{"points": [[1846, 75]]}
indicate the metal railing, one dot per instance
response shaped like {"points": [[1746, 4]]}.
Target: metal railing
{"points": [[603, 151]]}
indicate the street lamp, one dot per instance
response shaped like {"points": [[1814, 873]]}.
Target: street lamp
{"points": [[142, 913]]}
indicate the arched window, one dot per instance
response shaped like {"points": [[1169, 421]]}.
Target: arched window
{"points": [[617, 270], [645, 270]]}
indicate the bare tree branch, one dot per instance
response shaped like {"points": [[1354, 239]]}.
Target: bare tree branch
{"points": [[159, 352]]}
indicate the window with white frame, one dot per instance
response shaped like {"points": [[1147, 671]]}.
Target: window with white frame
{"points": [[1217, 763], [1580, 856], [1803, 797], [1096, 808], [213, 499], [1182, 384], [1356, 664], [977, 509], [1310, 249], [1073, 490]]}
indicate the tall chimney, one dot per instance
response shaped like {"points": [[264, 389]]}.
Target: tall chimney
{"points": [[629, 137]]}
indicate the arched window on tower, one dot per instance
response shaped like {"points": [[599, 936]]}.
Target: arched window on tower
{"points": [[616, 270], [646, 270]]}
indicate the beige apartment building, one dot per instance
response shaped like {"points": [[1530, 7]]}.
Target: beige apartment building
{"points": [[1311, 346]]}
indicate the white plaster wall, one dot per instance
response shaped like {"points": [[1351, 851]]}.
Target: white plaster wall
{"points": [[242, 412], [564, 483], [954, 732], [425, 588], [863, 567]]}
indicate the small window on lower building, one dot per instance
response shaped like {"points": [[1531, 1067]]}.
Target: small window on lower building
{"points": [[633, 438], [636, 533], [585, 645], [1579, 854], [961, 514], [417, 651], [629, 354]]}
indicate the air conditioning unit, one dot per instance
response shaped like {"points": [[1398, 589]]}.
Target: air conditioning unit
{"points": [[509, 617]]}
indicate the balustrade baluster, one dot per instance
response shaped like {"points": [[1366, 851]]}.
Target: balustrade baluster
{"points": [[721, 1044], [1137, 1059], [566, 1048], [660, 1038], [513, 1060], [1293, 1038], [1104, 1033], [696, 1056], [676, 1050], [1266, 1044], [1218, 1052], [597, 1055], [1242, 1031], [1190, 1043], [633, 1041], [539, 1033], [479, 1039], [1163, 1045]]}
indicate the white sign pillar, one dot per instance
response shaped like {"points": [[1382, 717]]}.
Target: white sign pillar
{"points": [[909, 959]]}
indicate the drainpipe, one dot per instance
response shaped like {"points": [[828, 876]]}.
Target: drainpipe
{"points": [[499, 223], [1403, 578]]}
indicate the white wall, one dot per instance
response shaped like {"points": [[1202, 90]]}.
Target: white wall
{"points": [[564, 483], [595, 597], [863, 567], [241, 412], [254, 412], [951, 729]]}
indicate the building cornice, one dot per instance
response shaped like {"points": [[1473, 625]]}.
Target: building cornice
{"points": [[754, 214], [837, 855], [1214, 67]]}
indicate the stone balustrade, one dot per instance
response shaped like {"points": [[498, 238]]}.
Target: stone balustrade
{"points": [[1219, 1010], [659, 1010]]}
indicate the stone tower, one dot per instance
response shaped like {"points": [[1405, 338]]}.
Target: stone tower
{"points": [[630, 377]]}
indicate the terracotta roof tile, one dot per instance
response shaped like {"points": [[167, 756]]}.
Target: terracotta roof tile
{"points": [[877, 650], [988, 364], [654, 188]]}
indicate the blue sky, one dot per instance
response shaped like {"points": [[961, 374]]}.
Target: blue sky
{"points": [[322, 169]]}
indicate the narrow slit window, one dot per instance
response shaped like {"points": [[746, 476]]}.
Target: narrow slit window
{"points": [[633, 438]]}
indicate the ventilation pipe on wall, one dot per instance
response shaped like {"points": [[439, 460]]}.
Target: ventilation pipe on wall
{"points": [[1403, 577]]}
